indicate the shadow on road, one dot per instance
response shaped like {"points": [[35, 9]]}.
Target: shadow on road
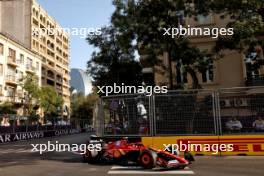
{"points": [[10, 159]]}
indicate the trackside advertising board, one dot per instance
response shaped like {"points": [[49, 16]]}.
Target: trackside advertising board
{"points": [[11, 137], [241, 145]]}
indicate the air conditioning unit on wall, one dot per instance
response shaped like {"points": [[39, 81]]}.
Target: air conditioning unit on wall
{"points": [[234, 102], [240, 102], [226, 103]]}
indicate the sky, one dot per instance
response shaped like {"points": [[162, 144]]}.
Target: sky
{"points": [[79, 14]]}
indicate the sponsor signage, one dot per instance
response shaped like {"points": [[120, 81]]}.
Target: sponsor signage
{"points": [[20, 136], [11, 137], [67, 131], [242, 145]]}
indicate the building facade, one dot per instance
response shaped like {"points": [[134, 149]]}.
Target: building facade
{"points": [[21, 19], [81, 82], [16, 62], [231, 70]]}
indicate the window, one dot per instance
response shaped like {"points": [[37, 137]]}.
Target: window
{"points": [[208, 74], [10, 91], [1, 49], [1, 69], [12, 53], [11, 71], [181, 75], [21, 58], [29, 61], [253, 65]]}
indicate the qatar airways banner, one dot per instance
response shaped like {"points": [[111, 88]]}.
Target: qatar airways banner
{"points": [[11, 137]]}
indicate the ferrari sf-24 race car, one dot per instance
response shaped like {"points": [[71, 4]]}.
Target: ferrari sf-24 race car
{"points": [[124, 152]]}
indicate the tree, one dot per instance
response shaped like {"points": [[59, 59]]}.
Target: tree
{"points": [[248, 24], [83, 106], [114, 61], [145, 20], [32, 96], [7, 108], [51, 103], [247, 19]]}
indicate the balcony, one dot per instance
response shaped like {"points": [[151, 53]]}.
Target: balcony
{"points": [[12, 99], [15, 99], [30, 68], [255, 80], [50, 75], [11, 79], [12, 61], [59, 81], [59, 88], [66, 91]]}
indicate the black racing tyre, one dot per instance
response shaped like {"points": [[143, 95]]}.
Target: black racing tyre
{"points": [[188, 156], [181, 167], [146, 160], [87, 157]]}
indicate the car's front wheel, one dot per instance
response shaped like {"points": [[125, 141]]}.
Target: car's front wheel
{"points": [[146, 160], [87, 157]]}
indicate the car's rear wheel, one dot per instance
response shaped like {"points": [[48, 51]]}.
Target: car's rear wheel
{"points": [[146, 160], [87, 157], [181, 167]]}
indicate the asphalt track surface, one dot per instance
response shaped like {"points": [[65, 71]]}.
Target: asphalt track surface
{"points": [[16, 159]]}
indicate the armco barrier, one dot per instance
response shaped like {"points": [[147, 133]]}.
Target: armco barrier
{"points": [[11, 137]]}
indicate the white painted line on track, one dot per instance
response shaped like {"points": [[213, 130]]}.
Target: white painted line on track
{"points": [[132, 167], [77, 153], [127, 168], [127, 172], [139, 170]]}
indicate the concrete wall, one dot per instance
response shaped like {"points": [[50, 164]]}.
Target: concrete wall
{"points": [[15, 19]]}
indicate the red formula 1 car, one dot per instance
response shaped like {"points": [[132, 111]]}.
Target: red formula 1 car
{"points": [[124, 152]]}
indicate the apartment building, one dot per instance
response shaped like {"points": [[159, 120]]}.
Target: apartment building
{"points": [[231, 70], [21, 18], [54, 49], [16, 62]]}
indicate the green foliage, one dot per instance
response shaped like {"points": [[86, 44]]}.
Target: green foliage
{"points": [[145, 21], [137, 26], [82, 106], [247, 19], [114, 60], [7, 108], [33, 117], [30, 85], [50, 101], [32, 96]]}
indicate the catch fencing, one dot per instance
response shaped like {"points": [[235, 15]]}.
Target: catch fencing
{"points": [[191, 112]]}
